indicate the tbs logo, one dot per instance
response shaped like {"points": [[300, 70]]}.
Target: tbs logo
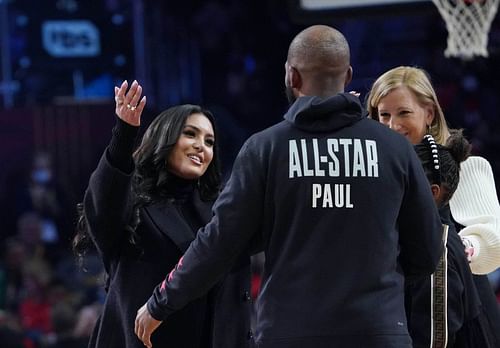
{"points": [[71, 38]]}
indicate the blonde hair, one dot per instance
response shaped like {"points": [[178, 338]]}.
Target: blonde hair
{"points": [[418, 82]]}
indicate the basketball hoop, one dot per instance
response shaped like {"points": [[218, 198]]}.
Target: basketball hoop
{"points": [[468, 23]]}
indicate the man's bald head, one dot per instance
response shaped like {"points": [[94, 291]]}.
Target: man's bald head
{"points": [[321, 55]]}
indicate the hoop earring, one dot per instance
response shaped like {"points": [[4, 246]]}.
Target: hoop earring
{"points": [[428, 129]]}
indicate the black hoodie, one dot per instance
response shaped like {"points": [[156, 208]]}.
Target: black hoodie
{"points": [[341, 207]]}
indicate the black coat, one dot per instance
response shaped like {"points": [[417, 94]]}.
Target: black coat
{"points": [[458, 311], [135, 269]]}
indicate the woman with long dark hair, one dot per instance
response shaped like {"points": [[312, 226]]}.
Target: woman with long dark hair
{"points": [[141, 211]]}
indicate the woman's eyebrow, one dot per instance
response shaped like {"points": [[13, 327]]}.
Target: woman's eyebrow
{"points": [[197, 129]]}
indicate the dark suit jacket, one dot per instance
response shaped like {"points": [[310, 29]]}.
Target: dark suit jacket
{"points": [[133, 270]]}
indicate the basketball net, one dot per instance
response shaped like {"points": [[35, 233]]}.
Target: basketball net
{"points": [[468, 23]]}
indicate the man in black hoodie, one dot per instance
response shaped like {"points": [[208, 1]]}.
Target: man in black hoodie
{"points": [[339, 204]]}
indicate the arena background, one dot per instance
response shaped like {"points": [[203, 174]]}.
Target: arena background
{"points": [[61, 58]]}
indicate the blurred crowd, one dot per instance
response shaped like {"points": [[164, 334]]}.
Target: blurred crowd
{"points": [[46, 298]]}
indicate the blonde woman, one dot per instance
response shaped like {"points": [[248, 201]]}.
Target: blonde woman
{"points": [[404, 99]]}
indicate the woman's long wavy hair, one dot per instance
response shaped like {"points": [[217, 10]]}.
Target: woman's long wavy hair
{"points": [[160, 138], [151, 176]]}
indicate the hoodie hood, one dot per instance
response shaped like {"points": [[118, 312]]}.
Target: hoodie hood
{"points": [[316, 114]]}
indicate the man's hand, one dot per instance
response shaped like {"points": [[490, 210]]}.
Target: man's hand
{"points": [[469, 248], [145, 325]]}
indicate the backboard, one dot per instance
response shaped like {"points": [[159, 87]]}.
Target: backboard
{"points": [[313, 10], [326, 5]]}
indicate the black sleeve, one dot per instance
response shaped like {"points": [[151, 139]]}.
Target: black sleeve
{"points": [[121, 146], [420, 228], [108, 199], [237, 217]]}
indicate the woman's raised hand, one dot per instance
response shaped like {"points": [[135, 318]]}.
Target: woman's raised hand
{"points": [[129, 104]]}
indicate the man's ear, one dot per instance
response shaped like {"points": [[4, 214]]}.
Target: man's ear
{"points": [[348, 76], [295, 79]]}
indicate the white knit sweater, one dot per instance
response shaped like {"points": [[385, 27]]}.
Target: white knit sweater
{"points": [[475, 206]]}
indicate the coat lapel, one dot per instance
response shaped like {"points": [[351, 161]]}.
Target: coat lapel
{"points": [[168, 220]]}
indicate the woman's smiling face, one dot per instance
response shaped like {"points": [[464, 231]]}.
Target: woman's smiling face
{"points": [[400, 111], [193, 151]]}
